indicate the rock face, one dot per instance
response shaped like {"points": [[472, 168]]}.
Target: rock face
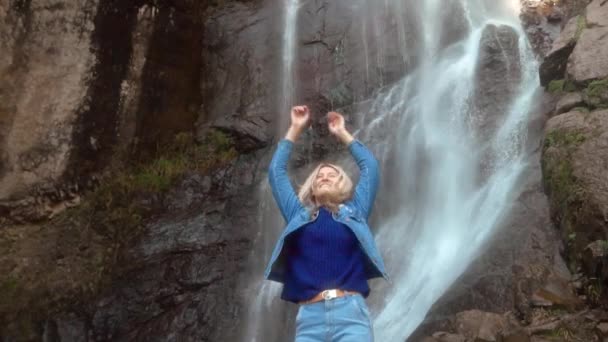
{"points": [[88, 80], [543, 20], [574, 164], [568, 102], [46, 64], [579, 54], [554, 64], [498, 59], [589, 60], [180, 281], [574, 156]]}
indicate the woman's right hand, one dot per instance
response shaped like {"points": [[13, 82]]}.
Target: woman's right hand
{"points": [[300, 117]]}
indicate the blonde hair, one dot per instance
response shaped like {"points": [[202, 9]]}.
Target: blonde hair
{"points": [[344, 185]]}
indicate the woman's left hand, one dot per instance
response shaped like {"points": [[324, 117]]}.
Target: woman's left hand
{"points": [[336, 125]]}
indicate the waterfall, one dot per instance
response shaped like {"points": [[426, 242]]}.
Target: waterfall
{"points": [[451, 182], [263, 296]]}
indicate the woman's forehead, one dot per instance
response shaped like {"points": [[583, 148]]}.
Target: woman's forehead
{"points": [[328, 168]]}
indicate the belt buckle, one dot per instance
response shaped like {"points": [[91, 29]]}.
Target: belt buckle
{"points": [[329, 294]]}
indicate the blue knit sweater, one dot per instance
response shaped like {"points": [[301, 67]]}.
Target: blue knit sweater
{"points": [[324, 254]]}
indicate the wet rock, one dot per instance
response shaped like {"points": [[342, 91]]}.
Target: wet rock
{"points": [[480, 326], [542, 23], [588, 59], [46, 62], [554, 65], [237, 90], [595, 260], [574, 162], [428, 339], [568, 102], [498, 59], [515, 263], [516, 336], [447, 337], [556, 292], [249, 133], [597, 14], [602, 329]]}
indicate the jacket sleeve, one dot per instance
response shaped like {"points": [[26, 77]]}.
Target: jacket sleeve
{"points": [[369, 175], [282, 190]]}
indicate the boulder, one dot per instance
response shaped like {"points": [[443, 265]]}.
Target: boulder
{"points": [[575, 159], [556, 292], [554, 64], [498, 59], [602, 329], [596, 94], [595, 260], [568, 102], [597, 13], [480, 326], [249, 133], [589, 59]]}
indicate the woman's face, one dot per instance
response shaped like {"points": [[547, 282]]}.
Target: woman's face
{"points": [[326, 181]]}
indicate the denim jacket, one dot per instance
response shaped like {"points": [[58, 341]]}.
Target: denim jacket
{"points": [[353, 213]]}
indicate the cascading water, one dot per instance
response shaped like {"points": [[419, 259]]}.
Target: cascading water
{"points": [[455, 181], [265, 303]]}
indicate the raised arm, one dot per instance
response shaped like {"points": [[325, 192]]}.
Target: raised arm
{"points": [[369, 174], [282, 190]]}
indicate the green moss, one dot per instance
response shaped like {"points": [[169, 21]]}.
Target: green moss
{"points": [[566, 139], [604, 246], [556, 86], [559, 86], [570, 86], [115, 209], [107, 220], [566, 195], [580, 109], [581, 25], [595, 291], [9, 288], [561, 333], [596, 94]]}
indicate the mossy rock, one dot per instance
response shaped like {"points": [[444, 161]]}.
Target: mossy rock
{"points": [[566, 194], [581, 25], [75, 255], [595, 94], [560, 86]]}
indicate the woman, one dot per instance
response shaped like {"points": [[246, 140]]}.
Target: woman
{"points": [[326, 253]]}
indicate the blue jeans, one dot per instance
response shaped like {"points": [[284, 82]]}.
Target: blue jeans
{"points": [[344, 319]]}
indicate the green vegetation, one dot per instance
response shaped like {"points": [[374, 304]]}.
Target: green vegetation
{"points": [[594, 291], [565, 139], [596, 93], [581, 25], [580, 109], [604, 246], [560, 86], [569, 86], [114, 208], [9, 288], [556, 86], [565, 193], [90, 238]]}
